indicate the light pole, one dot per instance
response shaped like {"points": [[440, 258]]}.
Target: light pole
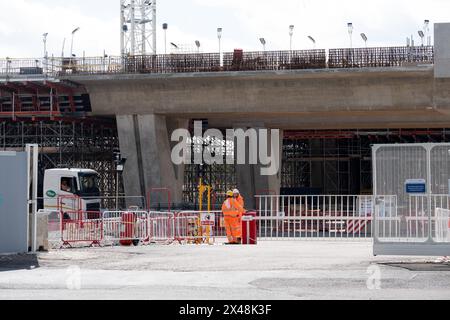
{"points": [[291, 34], [197, 43], [120, 165], [45, 44], [165, 27], [45, 52], [175, 47], [71, 45], [350, 33], [263, 42], [364, 37], [422, 36], [219, 36], [426, 29], [313, 41]]}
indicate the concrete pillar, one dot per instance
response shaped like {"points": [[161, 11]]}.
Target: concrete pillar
{"points": [[317, 167], [251, 182], [145, 142], [442, 50]]}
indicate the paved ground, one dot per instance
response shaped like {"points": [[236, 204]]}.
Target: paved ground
{"points": [[272, 270]]}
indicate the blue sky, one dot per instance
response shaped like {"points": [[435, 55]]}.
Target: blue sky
{"points": [[22, 23]]}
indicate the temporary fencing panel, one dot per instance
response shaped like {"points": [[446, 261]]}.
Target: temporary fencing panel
{"points": [[190, 229], [81, 227], [420, 175], [161, 227], [319, 217]]}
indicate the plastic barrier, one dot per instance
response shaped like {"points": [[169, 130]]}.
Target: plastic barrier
{"points": [[81, 227]]}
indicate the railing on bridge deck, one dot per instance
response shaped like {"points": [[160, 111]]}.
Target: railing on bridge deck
{"points": [[210, 62], [380, 57]]}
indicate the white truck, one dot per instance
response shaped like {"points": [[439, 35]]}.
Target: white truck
{"points": [[74, 189]]}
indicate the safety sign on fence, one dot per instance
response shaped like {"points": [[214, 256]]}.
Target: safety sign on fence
{"points": [[208, 219]]}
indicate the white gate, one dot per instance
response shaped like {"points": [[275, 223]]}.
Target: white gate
{"points": [[419, 174]]}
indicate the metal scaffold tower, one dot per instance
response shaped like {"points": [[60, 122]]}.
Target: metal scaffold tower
{"points": [[76, 143], [137, 27]]}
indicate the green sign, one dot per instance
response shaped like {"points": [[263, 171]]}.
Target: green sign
{"points": [[51, 194]]}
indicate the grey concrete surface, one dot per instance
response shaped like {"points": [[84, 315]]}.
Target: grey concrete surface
{"points": [[271, 270], [442, 50], [145, 141]]}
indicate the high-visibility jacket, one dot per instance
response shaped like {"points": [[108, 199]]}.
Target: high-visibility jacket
{"points": [[241, 201], [232, 208]]}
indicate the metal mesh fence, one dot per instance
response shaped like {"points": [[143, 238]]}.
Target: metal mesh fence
{"points": [[211, 62]]}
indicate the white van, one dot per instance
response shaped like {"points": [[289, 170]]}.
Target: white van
{"points": [[77, 189]]}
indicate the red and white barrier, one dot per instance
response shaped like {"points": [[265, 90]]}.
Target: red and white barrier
{"points": [[81, 227], [161, 226], [198, 227]]}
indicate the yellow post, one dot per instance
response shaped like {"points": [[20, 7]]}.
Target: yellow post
{"points": [[202, 188]]}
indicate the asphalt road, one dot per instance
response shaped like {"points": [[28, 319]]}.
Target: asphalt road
{"points": [[271, 270]]}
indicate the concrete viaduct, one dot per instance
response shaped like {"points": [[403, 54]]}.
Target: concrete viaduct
{"points": [[149, 107]]}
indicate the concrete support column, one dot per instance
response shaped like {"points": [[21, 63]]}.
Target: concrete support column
{"points": [[251, 182], [145, 142], [317, 167]]}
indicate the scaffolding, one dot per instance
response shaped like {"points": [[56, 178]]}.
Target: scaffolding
{"points": [[340, 162], [77, 143]]}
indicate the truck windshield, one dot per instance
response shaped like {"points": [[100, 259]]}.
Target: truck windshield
{"points": [[89, 185]]}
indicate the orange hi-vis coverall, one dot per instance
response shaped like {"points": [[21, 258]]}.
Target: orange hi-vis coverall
{"points": [[233, 211], [240, 199]]}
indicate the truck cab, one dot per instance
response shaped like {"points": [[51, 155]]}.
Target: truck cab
{"points": [[75, 189]]}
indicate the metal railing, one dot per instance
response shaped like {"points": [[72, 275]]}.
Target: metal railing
{"points": [[210, 62], [321, 217], [380, 57]]}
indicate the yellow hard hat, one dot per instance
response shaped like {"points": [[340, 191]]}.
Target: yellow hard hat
{"points": [[229, 193]]}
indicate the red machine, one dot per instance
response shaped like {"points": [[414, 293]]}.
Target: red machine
{"points": [[129, 221], [249, 229]]}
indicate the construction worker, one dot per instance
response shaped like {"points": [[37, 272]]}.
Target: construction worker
{"points": [[233, 211], [237, 195]]}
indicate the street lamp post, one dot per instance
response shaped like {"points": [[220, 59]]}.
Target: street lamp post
{"points": [[219, 36], [426, 29], [291, 34], [197, 44], [71, 45], [263, 42], [350, 33], [45, 52], [364, 37], [313, 41], [422, 37], [165, 27]]}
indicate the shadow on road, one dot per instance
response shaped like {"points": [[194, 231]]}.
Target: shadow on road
{"points": [[421, 266], [18, 262]]}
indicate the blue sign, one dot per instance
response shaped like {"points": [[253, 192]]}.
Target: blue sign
{"points": [[416, 186]]}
